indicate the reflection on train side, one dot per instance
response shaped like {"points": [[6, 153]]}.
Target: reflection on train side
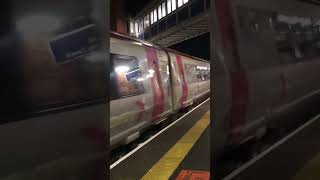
{"points": [[274, 73], [297, 38], [127, 73]]}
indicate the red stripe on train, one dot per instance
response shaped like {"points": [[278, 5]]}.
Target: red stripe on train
{"points": [[141, 107], [184, 84], [156, 83], [239, 99], [239, 80]]}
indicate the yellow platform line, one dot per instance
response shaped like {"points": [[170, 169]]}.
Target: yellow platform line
{"points": [[310, 171], [165, 167]]}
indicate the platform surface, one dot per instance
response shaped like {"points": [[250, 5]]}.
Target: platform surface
{"points": [[181, 149], [296, 158]]}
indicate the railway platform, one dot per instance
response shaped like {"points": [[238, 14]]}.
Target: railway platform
{"points": [[295, 157], [179, 151]]}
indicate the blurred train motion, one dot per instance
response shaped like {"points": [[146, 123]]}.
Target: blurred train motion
{"points": [[149, 83], [53, 90], [267, 67]]}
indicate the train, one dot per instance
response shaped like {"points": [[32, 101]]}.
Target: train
{"points": [[266, 68], [149, 83]]}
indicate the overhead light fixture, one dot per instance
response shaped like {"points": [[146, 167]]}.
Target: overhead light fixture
{"points": [[122, 69]]}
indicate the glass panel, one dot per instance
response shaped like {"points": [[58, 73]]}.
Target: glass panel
{"points": [[164, 9], [155, 15], [169, 6], [146, 21], [185, 1], [136, 28], [274, 38], [131, 27], [152, 20], [159, 12], [126, 73], [191, 73], [174, 5], [180, 3], [140, 26], [202, 73], [297, 37]]}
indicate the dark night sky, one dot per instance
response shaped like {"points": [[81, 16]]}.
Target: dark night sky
{"points": [[134, 6], [198, 46]]}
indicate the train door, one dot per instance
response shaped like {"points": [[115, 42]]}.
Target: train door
{"points": [[159, 63], [190, 67], [180, 85], [203, 78], [131, 104]]}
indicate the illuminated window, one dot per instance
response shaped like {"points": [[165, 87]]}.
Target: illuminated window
{"points": [[155, 16], [174, 5], [180, 3], [136, 27], [160, 12], [146, 21], [131, 27], [141, 26], [126, 76], [163, 9], [185, 1], [151, 15], [169, 6]]}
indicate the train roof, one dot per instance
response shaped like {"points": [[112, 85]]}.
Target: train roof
{"points": [[129, 38]]}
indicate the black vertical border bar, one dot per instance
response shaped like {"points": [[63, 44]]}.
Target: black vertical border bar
{"points": [[219, 86], [212, 68], [102, 16]]}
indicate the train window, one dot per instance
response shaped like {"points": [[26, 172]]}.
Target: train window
{"points": [[256, 45], [297, 38], [187, 69], [191, 75], [269, 38], [206, 74], [125, 76], [203, 73]]}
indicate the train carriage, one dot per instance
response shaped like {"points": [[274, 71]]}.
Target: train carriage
{"points": [[267, 66], [190, 79], [150, 83], [140, 86]]}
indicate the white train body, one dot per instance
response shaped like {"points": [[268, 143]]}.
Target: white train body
{"points": [[267, 66], [149, 84]]}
